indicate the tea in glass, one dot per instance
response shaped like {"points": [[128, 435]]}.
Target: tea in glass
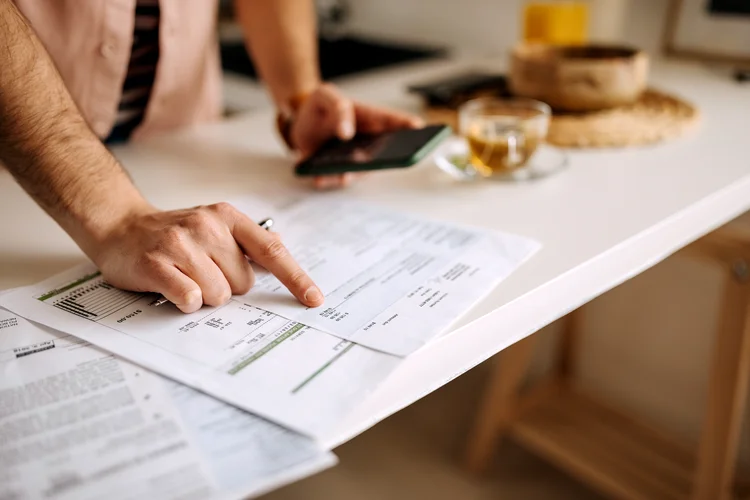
{"points": [[503, 134]]}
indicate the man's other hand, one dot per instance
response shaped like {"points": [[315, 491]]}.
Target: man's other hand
{"points": [[327, 113], [197, 256]]}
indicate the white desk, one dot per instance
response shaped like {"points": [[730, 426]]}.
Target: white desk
{"points": [[607, 218]]}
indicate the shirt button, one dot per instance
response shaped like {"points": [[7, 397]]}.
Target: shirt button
{"points": [[107, 49]]}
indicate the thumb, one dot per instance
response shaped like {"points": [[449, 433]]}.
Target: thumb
{"points": [[346, 126]]}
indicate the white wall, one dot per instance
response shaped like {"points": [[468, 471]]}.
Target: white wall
{"points": [[485, 25], [493, 26]]}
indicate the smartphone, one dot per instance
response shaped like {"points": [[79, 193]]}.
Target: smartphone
{"points": [[396, 149]]}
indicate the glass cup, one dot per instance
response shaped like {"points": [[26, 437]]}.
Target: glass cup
{"points": [[503, 134]]}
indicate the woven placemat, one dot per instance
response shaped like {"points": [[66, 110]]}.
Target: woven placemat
{"points": [[657, 116]]}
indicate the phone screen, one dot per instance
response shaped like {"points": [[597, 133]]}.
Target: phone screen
{"points": [[396, 149]]}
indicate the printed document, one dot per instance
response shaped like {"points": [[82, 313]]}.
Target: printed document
{"points": [[279, 369], [392, 281], [79, 423]]}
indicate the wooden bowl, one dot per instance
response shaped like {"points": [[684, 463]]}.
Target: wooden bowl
{"points": [[579, 78]]}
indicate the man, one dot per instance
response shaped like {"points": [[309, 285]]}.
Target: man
{"points": [[137, 67]]}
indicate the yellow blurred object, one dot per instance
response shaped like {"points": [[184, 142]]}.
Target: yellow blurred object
{"points": [[557, 23]]}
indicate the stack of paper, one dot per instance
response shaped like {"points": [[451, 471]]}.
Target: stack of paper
{"points": [[77, 422], [392, 283]]}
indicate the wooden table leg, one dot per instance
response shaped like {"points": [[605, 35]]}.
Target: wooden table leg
{"points": [[498, 403], [728, 387], [567, 357]]}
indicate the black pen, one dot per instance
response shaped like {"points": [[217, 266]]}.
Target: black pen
{"points": [[266, 224]]}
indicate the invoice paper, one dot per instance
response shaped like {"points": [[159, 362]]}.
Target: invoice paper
{"points": [[77, 422], [392, 281], [292, 374]]}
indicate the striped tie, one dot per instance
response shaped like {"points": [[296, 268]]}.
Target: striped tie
{"points": [[139, 80]]}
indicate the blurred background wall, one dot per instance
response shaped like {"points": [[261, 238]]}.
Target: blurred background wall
{"points": [[491, 26]]}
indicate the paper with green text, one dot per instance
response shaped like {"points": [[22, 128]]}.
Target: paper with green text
{"points": [[392, 281], [299, 377]]}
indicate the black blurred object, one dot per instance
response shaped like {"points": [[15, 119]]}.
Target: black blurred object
{"points": [[454, 90], [742, 75], [394, 149], [340, 57], [332, 18], [741, 7]]}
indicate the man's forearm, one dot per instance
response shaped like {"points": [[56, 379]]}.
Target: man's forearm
{"points": [[46, 144], [281, 35]]}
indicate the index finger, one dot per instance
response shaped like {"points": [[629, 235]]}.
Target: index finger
{"points": [[268, 251], [371, 119]]}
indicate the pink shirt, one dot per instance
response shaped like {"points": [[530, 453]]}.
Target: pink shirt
{"points": [[90, 42]]}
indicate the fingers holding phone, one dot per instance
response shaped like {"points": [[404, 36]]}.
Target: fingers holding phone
{"points": [[327, 113], [394, 149]]}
